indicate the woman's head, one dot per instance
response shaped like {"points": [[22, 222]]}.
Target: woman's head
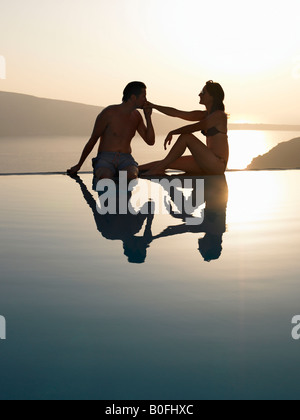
{"points": [[210, 247], [213, 96]]}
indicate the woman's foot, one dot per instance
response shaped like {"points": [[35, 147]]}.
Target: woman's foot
{"points": [[157, 170], [148, 166]]}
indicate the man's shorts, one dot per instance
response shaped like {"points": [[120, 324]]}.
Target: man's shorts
{"points": [[113, 161]]}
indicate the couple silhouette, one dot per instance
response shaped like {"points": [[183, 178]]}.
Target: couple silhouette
{"points": [[117, 125]]}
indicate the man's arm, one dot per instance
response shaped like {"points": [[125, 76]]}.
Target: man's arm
{"points": [[99, 129], [172, 112], [147, 133]]}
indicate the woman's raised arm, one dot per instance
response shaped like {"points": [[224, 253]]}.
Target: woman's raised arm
{"points": [[176, 113]]}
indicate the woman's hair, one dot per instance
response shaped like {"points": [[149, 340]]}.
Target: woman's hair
{"points": [[217, 92], [210, 247]]}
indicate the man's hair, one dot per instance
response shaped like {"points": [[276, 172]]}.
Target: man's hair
{"points": [[133, 88]]}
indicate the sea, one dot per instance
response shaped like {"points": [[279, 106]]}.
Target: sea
{"points": [[147, 306], [57, 154]]}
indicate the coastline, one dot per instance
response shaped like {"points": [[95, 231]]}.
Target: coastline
{"points": [[169, 173]]}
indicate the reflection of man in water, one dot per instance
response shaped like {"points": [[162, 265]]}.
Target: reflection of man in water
{"points": [[214, 224], [123, 227]]}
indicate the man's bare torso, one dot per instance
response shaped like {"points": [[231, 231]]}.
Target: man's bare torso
{"points": [[120, 129]]}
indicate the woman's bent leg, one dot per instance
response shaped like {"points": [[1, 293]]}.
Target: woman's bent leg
{"points": [[203, 156], [188, 165], [148, 166]]}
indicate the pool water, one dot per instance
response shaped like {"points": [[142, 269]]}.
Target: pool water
{"points": [[146, 306]]}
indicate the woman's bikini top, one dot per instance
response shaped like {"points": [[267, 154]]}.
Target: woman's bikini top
{"points": [[213, 131]]}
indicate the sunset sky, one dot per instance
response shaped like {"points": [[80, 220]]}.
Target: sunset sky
{"points": [[88, 50]]}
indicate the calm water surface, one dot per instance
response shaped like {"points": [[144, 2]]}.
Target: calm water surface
{"points": [[57, 154], [141, 307]]}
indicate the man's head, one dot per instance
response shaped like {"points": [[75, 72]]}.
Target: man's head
{"points": [[136, 92]]}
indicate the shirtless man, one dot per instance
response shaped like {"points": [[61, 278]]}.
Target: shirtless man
{"points": [[115, 127]]}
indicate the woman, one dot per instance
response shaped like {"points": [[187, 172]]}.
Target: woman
{"points": [[211, 159]]}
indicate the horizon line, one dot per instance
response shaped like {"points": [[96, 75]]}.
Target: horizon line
{"points": [[157, 113], [175, 174]]}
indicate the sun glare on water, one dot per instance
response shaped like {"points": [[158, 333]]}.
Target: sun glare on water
{"points": [[252, 199], [244, 146]]}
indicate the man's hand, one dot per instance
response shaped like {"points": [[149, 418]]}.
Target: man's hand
{"points": [[73, 171], [148, 110]]}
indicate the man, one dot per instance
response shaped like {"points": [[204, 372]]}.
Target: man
{"points": [[116, 126]]}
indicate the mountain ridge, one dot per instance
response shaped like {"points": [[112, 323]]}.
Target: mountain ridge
{"points": [[28, 115], [285, 155]]}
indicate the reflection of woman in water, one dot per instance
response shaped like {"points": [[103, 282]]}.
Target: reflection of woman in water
{"points": [[122, 227], [210, 159], [214, 224]]}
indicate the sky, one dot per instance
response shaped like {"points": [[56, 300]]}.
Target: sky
{"points": [[88, 50]]}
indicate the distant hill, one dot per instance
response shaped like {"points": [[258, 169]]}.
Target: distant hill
{"points": [[24, 115], [284, 156], [264, 127]]}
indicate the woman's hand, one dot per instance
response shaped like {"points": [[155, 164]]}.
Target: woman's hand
{"points": [[149, 105], [168, 140]]}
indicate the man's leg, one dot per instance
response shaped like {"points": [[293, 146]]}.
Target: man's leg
{"points": [[104, 173], [132, 172]]}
